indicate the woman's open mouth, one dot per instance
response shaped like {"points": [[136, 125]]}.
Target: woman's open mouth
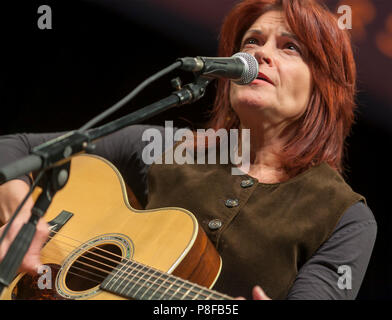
{"points": [[263, 77]]}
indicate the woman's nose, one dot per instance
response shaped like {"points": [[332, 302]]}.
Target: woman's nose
{"points": [[263, 55]]}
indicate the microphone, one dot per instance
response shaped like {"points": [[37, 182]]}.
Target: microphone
{"points": [[242, 67]]}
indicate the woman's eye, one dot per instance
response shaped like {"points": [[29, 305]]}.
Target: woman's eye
{"points": [[292, 47], [250, 41]]}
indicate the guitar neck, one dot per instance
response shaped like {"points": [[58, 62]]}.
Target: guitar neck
{"points": [[137, 281]]}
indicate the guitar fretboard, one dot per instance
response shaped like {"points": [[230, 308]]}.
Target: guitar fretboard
{"points": [[133, 280]]}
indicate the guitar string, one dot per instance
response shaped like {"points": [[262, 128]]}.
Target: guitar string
{"points": [[84, 277], [169, 279], [160, 287], [83, 270], [77, 274]]}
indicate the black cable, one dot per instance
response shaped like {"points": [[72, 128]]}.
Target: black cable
{"points": [[130, 96]]}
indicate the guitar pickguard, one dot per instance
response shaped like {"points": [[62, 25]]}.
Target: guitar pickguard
{"points": [[57, 223]]}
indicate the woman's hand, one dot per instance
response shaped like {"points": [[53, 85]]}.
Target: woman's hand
{"points": [[257, 294], [11, 195]]}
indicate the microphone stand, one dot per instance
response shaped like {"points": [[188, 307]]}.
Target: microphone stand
{"points": [[54, 156]]}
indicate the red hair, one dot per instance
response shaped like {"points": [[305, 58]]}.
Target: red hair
{"points": [[328, 118]]}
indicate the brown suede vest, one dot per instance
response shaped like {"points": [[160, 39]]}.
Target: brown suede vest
{"points": [[265, 232]]}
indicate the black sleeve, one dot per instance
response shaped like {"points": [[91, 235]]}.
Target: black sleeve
{"points": [[123, 148], [337, 269]]}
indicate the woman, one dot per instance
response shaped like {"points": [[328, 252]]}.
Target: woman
{"points": [[291, 222]]}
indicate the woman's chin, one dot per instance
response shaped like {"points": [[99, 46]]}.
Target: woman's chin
{"points": [[254, 107]]}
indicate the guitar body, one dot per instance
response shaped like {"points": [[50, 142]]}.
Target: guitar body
{"points": [[102, 221]]}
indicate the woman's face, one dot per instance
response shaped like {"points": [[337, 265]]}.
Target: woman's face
{"points": [[283, 97]]}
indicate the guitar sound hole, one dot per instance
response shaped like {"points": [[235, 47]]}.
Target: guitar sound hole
{"points": [[92, 267]]}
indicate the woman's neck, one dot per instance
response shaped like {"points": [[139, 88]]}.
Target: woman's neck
{"points": [[265, 143]]}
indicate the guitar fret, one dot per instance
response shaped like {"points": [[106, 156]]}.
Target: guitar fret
{"points": [[203, 294], [209, 296], [193, 291], [146, 285], [137, 281], [151, 287], [196, 295], [162, 275], [173, 295], [188, 292], [161, 297], [142, 285], [109, 280], [124, 276], [185, 290]]}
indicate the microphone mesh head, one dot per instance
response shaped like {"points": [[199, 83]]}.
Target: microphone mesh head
{"points": [[251, 69]]}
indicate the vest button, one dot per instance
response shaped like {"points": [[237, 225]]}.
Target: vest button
{"points": [[215, 224], [231, 203], [247, 183]]}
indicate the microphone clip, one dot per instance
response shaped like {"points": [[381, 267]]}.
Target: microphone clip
{"points": [[192, 91]]}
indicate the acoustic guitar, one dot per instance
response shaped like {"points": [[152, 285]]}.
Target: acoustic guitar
{"points": [[100, 247]]}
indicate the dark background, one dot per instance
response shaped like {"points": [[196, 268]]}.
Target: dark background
{"points": [[99, 50]]}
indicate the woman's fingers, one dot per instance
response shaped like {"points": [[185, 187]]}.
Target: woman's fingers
{"points": [[259, 294]]}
